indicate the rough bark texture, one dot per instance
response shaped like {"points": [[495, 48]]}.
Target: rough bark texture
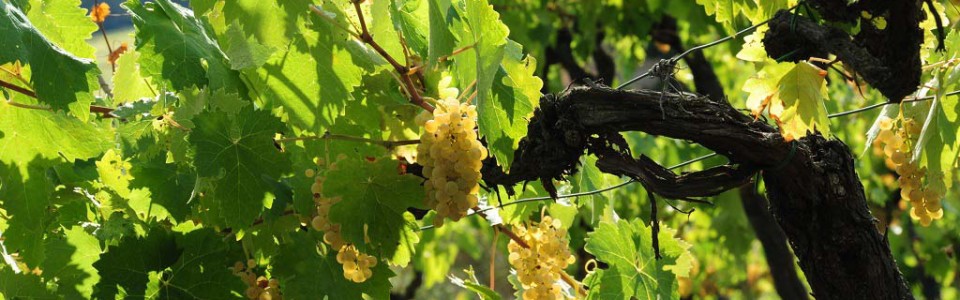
{"points": [[775, 246], [813, 188], [893, 70]]}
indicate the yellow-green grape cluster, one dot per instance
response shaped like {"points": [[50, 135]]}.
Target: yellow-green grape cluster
{"points": [[539, 267], [898, 143], [321, 222], [257, 287], [356, 265], [451, 155]]}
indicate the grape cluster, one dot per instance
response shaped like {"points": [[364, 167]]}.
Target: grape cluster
{"points": [[258, 287], [356, 265], [539, 267], [898, 143], [451, 155]]}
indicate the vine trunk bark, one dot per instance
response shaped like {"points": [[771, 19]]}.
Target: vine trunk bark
{"points": [[814, 191]]}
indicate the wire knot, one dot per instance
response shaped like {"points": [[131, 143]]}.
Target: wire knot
{"points": [[664, 68]]}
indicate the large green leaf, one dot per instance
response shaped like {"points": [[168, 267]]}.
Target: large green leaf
{"points": [[305, 273], [23, 286], [203, 271], [634, 272], [374, 203], [60, 79], [507, 91], [244, 52], [127, 265], [25, 195], [176, 48], [171, 186], [70, 263], [128, 84], [65, 24], [238, 154], [317, 64], [516, 92], [442, 40], [26, 133]]}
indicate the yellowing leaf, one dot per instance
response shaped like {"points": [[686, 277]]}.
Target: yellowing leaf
{"points": [[763, 86], [802, 91], [794, 94], [753, 46]]}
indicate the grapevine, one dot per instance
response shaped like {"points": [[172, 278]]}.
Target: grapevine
{"points": [[451, 155], [151, 148]]}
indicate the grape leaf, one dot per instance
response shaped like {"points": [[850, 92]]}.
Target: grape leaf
{"points": [[24, 286], [488, 38], [203, 270], [795, 101], [129, 85], [244, 53], [238, 153], [633, 272], [802, 91], [27, 133], [306, 273], [516, 92], [374, 203], [315, 70], [115, 172], [442, 40], [472, 284], [723, 10], [65, 24], [60, 79], [411, 17], [948, 122], [70, 261], [753, 46], [171, 186], [26, 198], [127, 265], [506, 89], [176, 47], [380, 19]]}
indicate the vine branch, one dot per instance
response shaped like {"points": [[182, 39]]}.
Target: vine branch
{"points": [[402, 70], [104, 111]]}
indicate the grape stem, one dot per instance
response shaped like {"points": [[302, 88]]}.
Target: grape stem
{"points": [[331, 136], [113, 64], [106, 112]]}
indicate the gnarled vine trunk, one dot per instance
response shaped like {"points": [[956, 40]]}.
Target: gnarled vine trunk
{"points": [[812, 186]]}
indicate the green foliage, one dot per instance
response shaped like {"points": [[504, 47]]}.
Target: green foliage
{"points": [[633, 270], [60, 79], [307, 271], [176, 49], [219, 108], [372, 211], [237, 154]]}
